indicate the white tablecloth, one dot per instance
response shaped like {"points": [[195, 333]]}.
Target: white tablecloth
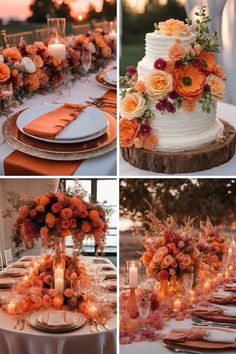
{"points": [[104, 165], [32, 341], [157, 347], [226, 112]]}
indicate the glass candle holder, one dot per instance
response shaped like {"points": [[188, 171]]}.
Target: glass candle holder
{"points": [[57, 37], [133, 268]]}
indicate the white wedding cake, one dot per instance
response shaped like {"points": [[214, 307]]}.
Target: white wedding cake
{"points": [[181, 130], [170, 103]]}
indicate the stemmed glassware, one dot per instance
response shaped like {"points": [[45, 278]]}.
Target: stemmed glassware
{"points": [[86, 60], [6, 93]]}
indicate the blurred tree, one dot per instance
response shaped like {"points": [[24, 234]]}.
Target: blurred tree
{"points": [[108, 12], [63, 10], [180, 198], [41, 9]]}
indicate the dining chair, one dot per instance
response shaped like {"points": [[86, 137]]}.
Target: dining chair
{"points": [[15, 38], [41, 34], [79, 29], [8, 256], [105, 25], [1, 261]]}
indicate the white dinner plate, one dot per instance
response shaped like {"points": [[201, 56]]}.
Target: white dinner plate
{"points": [[90, 124], [111, 76]]}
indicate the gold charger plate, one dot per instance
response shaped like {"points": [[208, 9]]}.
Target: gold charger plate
{"points": [[99, 78], [60, 152]]}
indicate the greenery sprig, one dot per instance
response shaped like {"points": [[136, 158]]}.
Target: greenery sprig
{"points": [[207, 102], [209, 42]]}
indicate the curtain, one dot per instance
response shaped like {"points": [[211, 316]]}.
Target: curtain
{"points": [[32, 187], [223, 14]]}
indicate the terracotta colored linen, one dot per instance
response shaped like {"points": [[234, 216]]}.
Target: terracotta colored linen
{"points": [[18, 163], [193, 338], [213, 314], [223, 299], [48, 125]]}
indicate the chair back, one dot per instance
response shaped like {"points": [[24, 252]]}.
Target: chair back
{"points": [[105, 25], [8, 256], [41, 34], [1, 261], [14, 39], [80, 29]]}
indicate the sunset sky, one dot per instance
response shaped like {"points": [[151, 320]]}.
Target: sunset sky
{"points": [[20, 8]]}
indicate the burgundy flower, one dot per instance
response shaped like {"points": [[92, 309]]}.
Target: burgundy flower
{"points": [[179, 63], [145, 129], [131, 70], [207, 88], [173, 95], [161, 105], [170, 107], [160, 64]]}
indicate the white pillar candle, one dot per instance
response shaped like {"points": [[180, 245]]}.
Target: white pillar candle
{"points": [[11, 308], [59, 285], [59, 273], [57, 49], [133, 277]]}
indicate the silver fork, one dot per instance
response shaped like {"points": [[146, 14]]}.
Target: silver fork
{"points": [[104, 323], [17, 323], [22, 324]]}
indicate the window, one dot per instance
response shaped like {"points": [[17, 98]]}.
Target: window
{"points": [[100, 190]]}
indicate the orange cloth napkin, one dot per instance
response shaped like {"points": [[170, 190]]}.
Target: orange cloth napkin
{"points": [[223, 299], [229, 287], [20, 164], [213, 314], [50, 124]]}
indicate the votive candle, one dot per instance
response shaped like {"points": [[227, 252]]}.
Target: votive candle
{"points": [[11, 308]]}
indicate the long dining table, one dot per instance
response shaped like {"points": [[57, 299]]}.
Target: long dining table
{"points": [[82, 340], [79, 92]]}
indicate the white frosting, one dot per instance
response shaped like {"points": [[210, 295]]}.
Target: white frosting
{"points": [[185, 130], [180, 130], [157, 46]]}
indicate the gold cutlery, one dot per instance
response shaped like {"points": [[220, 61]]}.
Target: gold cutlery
{"points": [[97, 325], [92, 330], [104, 323], [179, 349], [22, 324], [17, 323]]}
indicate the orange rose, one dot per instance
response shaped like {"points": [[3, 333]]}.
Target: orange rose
{"points": [[65, 224], [12, 54], [207, 61], [66, 213], [189, 105], [44, 200], [147, 257], [86, 227], [128, 131], [176, 52], [99, 40], [167, 261], [133, 105], [150, 142], [140, 86], [217, 86], [38, 61], [94, 214], [4, 73], [219, 71], [186, 262], [56, 207], [173, 27], [158, 84], [56, 61], [50, 219], [32, 82], [106, 51], [189, 81]]}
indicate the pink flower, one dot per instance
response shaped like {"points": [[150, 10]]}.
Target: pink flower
{"points": [[160, 254], [145, 129], [24, 211], [163, 275]]}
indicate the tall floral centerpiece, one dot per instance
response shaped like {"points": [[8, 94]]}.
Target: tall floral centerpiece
{"points": [[170, 254]]}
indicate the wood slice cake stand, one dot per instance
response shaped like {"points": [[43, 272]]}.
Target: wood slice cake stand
{"points": [[204, 158]]}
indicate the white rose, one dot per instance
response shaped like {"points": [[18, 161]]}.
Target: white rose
{"points": [[133, 105], [1, 58], [28, 65], [158, 84], [90, 47]]}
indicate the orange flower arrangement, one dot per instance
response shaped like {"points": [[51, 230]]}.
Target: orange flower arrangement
{"points": [[173, 27], [32, 82], [150, 141], [4, 73], [207, 61], [12, 54], [189, 81], [38, 61], [106, 51], [176, 51], [128, 131]]}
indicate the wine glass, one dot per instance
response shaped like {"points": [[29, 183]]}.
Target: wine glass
{"points": [[6, 93], [187, 281], [86, 63]]}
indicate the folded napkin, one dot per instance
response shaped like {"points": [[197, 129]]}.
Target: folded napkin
{"points": [[223, 299], [215, 314], [110, 276], [194, 334], [230, 287], [51, 123], [55, 318]]}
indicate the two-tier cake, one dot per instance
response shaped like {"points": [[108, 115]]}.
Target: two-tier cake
{"points": [[168, 108]]}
